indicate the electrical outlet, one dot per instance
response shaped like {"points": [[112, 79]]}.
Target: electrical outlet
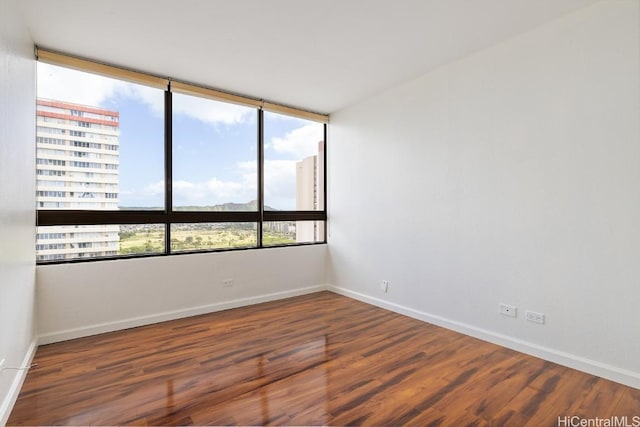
{"points": [[227, 283], [508, 310], [384, 285], [535, 317]]}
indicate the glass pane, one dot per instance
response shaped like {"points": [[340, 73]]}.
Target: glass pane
{"points": [[292, 232], [64, 242], [226, 235], [293, 163], [214, 155], [99, 142], [142, 239]]}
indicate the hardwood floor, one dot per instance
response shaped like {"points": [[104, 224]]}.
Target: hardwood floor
{"points": [[318, 359]]}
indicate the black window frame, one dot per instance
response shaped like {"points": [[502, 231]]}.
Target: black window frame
{"points": [[168, 216]]}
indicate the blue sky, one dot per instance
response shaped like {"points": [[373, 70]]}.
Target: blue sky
{"points": [[214, 143]]}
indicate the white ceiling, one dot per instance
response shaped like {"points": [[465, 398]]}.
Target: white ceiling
{"points": [[317, 55]]}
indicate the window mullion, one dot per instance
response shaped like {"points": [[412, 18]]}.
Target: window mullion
{"points": [[260, 174], [324, 183], [168, 168]]}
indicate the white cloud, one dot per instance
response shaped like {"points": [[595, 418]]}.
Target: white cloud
{"points": [[301, 142], [77, 87], [279, 182], [74, 86], [155, 188], [211, 111], [153, 98], [280, 179], [211, 192], [280, 188]]}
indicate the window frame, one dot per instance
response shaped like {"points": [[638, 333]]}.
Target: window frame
{"points": [[168, 216]]}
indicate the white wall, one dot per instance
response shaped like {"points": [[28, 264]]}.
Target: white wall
{"points": [[77, 300], [17, 201], [512, 175]]}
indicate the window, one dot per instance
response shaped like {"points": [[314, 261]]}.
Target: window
{"points": [[51, 193], [292, 232], [54, 141], [219, 235], [49, 173], [215, 151], [294, 163], [103, 240], [142, 239], [85, 144], [168, 168], [49, 152], [44, 236], [50, 130], [85, 165], [50, 162], [50, 246]]}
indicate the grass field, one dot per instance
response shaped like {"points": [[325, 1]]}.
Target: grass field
{"points": [[191, 237]]}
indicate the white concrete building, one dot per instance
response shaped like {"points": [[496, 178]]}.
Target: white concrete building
{"points": [[310, 195], [77, 159]]}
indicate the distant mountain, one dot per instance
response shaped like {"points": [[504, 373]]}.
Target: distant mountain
{"points": [[251, 206]]}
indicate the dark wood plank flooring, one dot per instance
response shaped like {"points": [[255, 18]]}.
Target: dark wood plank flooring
{"points": [[318, 359]]}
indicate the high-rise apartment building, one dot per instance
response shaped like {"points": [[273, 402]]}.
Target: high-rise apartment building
{"points": [[77, 159], [310, 195]]}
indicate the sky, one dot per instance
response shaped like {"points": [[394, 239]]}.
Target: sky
{"points": [[214, 143]]}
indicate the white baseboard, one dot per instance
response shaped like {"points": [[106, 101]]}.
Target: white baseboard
{"points": [[626, 377], [171, 315], [6, 406]]}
